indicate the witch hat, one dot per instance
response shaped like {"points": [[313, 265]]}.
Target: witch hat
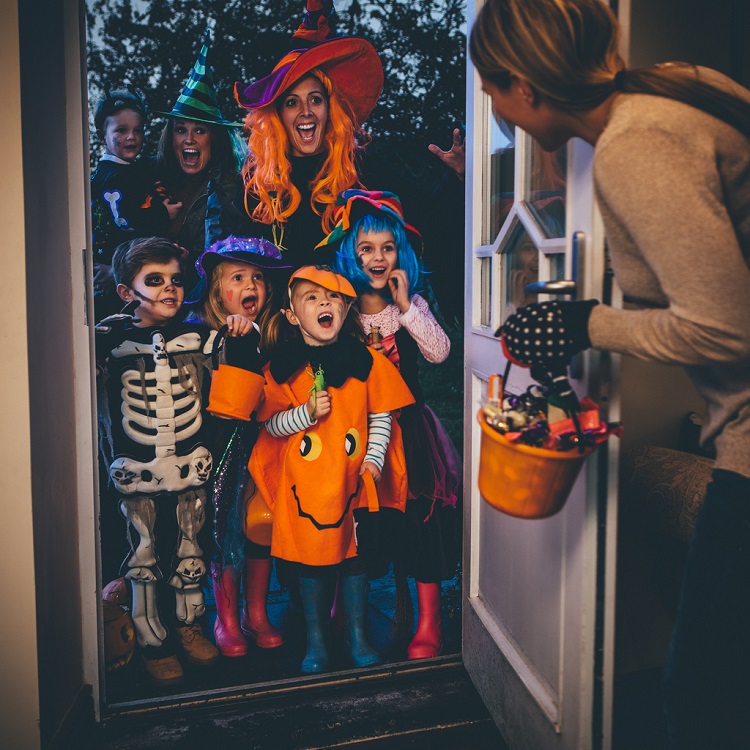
{"points": [[352, 63], [198, 98]]}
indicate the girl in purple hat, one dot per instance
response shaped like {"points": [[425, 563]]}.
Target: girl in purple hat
{"points": [[239, 292], [376, 253]]}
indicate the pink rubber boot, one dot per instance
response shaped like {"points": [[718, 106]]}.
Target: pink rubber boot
{"points": [[226, 585], [428, 640], [255, 621]]}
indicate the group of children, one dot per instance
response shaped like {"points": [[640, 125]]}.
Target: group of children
{"points": [[310, 380]]}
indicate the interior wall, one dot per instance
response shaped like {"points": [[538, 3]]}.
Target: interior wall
{"points": [[51, 310], [19, 687], [715, 34]]}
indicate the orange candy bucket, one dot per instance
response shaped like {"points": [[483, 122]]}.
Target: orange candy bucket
{"points": [[522, 480]]}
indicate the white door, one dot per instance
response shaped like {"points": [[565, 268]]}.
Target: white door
{"points": [[538, 594]]}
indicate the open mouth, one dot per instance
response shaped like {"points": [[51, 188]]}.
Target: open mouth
{"points": [[325, 320], [377, 272], [190, 157], [169, 301], [306, 132], [250, 304]]}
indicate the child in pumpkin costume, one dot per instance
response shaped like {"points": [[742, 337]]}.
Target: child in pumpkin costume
{"points": [[320, 451]]}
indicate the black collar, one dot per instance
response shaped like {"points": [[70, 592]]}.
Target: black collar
{"points": [[347, 358]]}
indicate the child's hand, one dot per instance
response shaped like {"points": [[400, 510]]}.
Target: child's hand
{"points": [[378, 347], [238, 325], [373, 470], [398, 283], [318, 405], [172, 208]]}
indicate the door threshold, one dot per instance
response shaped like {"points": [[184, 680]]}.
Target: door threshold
{"points": [[177, 702]]}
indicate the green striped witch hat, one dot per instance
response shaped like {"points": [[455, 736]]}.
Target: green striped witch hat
{"points": [[198, 98]]}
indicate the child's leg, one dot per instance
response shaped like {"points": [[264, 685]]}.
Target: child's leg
{"points": [[187, 578], [142, 572], [353, 582], [428, 640], [144, 576], [315, 586], [226, 586], [255, 622]]}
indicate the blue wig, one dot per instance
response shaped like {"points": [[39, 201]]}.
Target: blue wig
{"points": [[348, 264]]}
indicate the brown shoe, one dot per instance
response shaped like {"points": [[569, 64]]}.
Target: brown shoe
{"points": [[164, 671], [196, 647]]}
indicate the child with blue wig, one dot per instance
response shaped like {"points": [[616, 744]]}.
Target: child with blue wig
{"points": [[375, 250]]}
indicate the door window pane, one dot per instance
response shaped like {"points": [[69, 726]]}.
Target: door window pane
{"points": [[502, 160], [520, 267], [546, 199]]}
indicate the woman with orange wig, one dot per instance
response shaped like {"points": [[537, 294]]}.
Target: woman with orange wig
{"points": [[306, 140]]}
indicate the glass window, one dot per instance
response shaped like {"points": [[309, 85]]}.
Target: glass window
{"points": [[520, 267], [546, 198], [502, 160]]}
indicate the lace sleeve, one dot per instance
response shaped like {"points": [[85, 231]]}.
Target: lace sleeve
{"points": [[432, 340]]}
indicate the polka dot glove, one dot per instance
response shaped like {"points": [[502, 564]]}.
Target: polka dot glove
{"points": [[547, 334]]}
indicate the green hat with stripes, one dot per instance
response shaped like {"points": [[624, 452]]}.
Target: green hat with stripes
{"points": [[198, 98]]}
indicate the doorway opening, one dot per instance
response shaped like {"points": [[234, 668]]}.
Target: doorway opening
{"points": [[153, 45]]}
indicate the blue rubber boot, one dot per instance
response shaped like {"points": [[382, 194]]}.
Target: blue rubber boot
{"points": [[316, 605], [354, 600]]}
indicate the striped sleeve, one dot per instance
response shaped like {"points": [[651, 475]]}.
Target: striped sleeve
{"points": [[285, 423], [378, 437]]}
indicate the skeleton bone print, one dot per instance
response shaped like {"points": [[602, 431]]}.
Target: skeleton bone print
{"points": [[160, 409]]}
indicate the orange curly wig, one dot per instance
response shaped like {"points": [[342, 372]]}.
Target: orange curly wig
{"points": [[267, 172]]}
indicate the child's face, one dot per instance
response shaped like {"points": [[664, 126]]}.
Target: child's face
{"points": [[191, 145], [123, 134], [243, 289], [318, 312], [158, 287], [378, 256]]}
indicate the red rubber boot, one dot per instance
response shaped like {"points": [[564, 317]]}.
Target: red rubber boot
{"points": [[428, 640], [255, 621], [226, 585]]}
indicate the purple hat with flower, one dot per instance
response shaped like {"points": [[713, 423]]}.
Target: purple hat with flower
{"points": [[252, 250]]}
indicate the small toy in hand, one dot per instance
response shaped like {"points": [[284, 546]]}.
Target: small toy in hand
{"points": [[319, 383]]}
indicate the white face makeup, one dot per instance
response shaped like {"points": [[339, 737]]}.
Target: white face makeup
{"points": [[123, 134]]}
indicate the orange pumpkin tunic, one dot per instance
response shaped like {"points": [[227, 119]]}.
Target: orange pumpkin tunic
{"points": [[311, 479]]}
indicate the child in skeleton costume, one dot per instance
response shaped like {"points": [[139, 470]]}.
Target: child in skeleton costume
{"points": [[324, 446], [375, 251], [155, 438], [238, 276]]}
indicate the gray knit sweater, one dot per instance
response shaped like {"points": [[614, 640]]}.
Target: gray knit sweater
{"points": [[673, 185]]}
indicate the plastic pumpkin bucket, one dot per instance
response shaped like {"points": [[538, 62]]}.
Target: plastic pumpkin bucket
{"points": [[522, 480]]}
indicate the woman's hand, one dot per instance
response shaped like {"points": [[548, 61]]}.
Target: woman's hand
{"points": [[455, 159], [239, 325], [398, 283], [172, 208], [318, 405], [373, 470]]}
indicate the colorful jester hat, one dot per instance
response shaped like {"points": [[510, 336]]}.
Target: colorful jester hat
{"points": [[198, 98], [326, 277], [352, 63], [353, 204]]}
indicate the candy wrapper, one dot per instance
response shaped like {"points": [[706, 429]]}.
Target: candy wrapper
{"points": [[534, 445]]}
